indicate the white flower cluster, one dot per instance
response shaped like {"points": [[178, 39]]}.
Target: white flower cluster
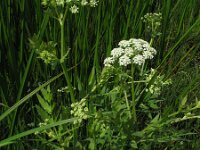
{"points": [[63, 89], [73, 4], [74, 8], [79, 110], [130, 51]]}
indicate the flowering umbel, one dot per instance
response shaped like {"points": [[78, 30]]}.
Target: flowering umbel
{"points": [[130, 51], [73, 5]]}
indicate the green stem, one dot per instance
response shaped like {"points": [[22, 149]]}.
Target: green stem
{"points": [[151, 41], [62, 39], [68, 82], [133, 93], [62, 45], [127, 104]]}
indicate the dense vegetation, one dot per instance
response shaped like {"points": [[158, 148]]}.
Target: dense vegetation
{"points": [[107, 74]]}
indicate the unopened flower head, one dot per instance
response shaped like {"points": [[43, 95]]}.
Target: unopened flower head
{"points": [[79, 110], [152, 18], [158, 83], [153, 23]]}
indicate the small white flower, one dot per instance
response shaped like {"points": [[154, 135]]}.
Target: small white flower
{"points": [[152, 50], [124, 60], [117, 52], [139, 44], [32, 124], [108, 61], [138, 59], [129, 51], [124, 43], [84, 2], [74, 9], [147, 55], [93, 3]]}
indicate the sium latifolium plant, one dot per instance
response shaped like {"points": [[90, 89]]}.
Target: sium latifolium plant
{"points": [[123, 78], [125, 84], [128, 111], [128, 91]]}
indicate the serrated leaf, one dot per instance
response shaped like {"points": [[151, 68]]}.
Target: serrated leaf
{"points": [[156, 119], [153, 105], [46, 93], [43, 114], [44, 104], [48, 89], [139, 134], [134, 144]]}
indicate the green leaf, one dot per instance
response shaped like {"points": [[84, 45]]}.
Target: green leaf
{"points": [[156, 119], [44, 104], [197, 105], [12, 139], [24, 99], [6, 143], [134, 144], [91, 77], [43, 114], [80, 86], [153, 104], [182, 103], [92, 144], [47, 94], [139, 134]]}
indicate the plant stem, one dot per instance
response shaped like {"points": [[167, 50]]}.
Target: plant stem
{"points": [[68, 82], [62, 38], [127, 104], [62, 45], [133, 93]]}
